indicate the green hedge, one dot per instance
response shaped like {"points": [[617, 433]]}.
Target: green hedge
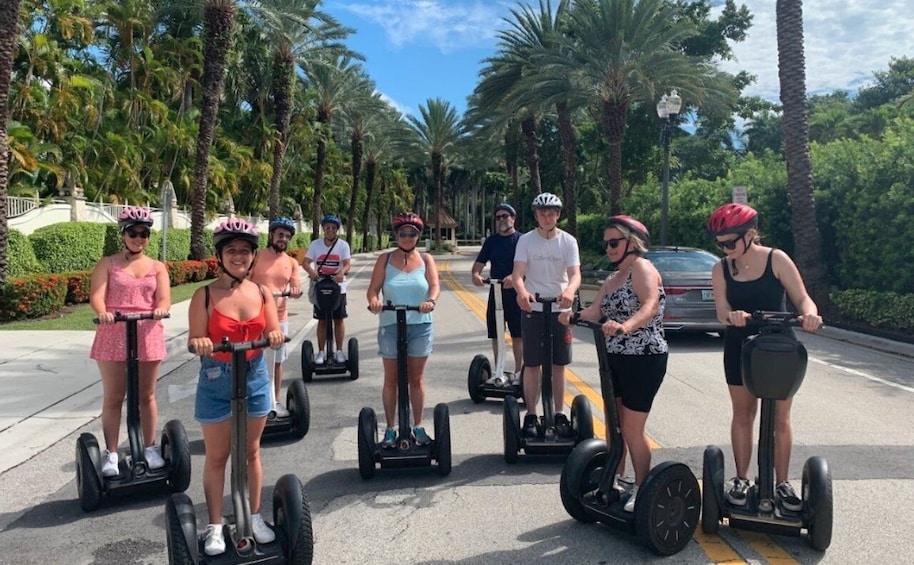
{"points": [[887, 310], [69, 247], [22, 258]]}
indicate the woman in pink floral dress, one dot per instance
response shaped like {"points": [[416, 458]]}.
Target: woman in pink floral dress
{"points": [[129, 282]]}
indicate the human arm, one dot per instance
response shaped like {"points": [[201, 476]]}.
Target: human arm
{"points": [[344, 268], [271, 331], [197, 338], [374, 285], [786, 272], [434, 287], [476, 272], [566, 299], [295, 280], [591, 313], [524, 298], [725, 313], [163, 292], [97, 290]]}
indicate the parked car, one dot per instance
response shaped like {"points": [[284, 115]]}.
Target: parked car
{"points": [[686, 273]]}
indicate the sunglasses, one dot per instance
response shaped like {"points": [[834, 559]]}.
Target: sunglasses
{"points": [[729, 245], [502, 216], [408, 233], [142, 234], [612, 243]]}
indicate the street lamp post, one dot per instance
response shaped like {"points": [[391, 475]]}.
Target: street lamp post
{"points": [[667, 109], [168, 200]]}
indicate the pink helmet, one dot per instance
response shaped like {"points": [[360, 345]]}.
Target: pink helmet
{"points": [[732, 218], [632, 225], [232, 229], [409, 219], [134, 216]]}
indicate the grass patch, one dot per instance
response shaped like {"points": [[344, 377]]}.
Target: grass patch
{"points": [[79, 316]]}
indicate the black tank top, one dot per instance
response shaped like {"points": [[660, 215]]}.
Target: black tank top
{"points": [[763, 293]]}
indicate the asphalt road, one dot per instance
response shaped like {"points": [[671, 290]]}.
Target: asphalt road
{"points": [[854, 409]]}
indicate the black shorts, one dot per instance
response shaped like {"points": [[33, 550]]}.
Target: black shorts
{"points": [[338, 314], [637, 378], [534, 346], [511, 311], [733, 352]]}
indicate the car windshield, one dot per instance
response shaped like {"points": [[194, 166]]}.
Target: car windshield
{"points": [[682, 261]]}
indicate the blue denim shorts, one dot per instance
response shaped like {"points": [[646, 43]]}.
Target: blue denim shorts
{"points": [[214, 390], [419, 339]]}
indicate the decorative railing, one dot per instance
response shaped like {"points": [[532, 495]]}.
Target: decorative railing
{"points": [[19, 206]]}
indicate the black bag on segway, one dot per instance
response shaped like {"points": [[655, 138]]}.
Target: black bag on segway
{"points": [[327, 294], [773, 363]]}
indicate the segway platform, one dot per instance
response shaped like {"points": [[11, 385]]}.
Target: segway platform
{"points": [[328, 299], [479, 377]]}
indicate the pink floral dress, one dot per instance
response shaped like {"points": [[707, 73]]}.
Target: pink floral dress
{"points": [[129, 295]]}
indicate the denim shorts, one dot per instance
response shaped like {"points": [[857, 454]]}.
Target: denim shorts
{"points": [[214, 390], [419, 339]]}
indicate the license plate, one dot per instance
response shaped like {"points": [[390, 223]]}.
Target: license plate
{"points": [[707, 294]]}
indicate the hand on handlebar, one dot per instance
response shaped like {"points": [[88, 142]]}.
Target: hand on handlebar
{"points": [[200, 346], [106, 318], [375, 306], [810, 322], [525, 301], [611, 327], [159, 313], [737, 318], [277, 338], [477, 279]]}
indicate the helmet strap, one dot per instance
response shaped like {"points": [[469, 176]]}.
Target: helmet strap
{"points": [[733, 267], [624, 255], [406, 253], [235, 280]]}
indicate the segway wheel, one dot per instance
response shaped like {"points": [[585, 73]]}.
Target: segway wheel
{"points": [[181, 530], [668, 507], [368, 439], [88, 472], [581, 475], [480, 371], [292, 519], [299, 408], [581, 418], [819, 502], [512, 429], [712, 489], [307, 361], [176, 452], [443, 439], [353, 360]]}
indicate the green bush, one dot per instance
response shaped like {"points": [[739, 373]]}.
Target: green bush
{"points": [[888, 310], [62, 248], [32, 296], [22, 258], [178, 241]]}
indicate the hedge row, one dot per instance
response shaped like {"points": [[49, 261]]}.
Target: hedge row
{"points": [[885, 310]]}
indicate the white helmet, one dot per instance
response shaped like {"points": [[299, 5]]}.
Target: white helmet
{"points": [[547, 200]]}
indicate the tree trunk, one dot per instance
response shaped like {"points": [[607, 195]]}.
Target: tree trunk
{"points": [[9, 33], [282, 89], [792, 75], [614, 129], [356, 142], [569, 186], [217, 38], [370, 167], [318, 180], [528, 126], [439, 196]]}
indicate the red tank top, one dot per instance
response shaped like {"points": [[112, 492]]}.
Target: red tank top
{"points": [[220, 325]]}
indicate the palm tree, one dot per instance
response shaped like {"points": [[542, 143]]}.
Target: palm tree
{"points": [[439, 130], [792, 75], [9, 32]]}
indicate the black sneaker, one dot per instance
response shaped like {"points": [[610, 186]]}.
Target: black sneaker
{"points": [[737, 491], [563, 426], [787, 497], [530, 425]]}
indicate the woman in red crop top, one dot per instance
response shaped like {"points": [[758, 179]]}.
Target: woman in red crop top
{"points": [[236, 308]]}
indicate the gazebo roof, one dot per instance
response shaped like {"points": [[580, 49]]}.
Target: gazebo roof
{"points": [[447, 221]]}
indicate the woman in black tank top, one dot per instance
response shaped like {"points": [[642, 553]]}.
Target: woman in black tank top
{"points": [[754, 277]]}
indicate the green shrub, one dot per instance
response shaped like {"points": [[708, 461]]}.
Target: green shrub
{"points": [[181, 272], [32, 296], [79, 283], [22, 260], [888, 310], [62, 248], [178, 241]]}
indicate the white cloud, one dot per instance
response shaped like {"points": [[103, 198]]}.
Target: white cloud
{"points": [[402, 108], [448, 25], [845, 42]]}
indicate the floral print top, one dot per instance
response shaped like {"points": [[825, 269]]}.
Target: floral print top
{"points": [[622, 305]]}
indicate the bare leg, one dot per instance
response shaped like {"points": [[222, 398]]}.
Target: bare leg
{"points": [[517, 345], [255, 469], [114, 386], [640, 449], [389, 393], [339, 327], [783, 440], [745, 407], [558, 387], [620, 470], [149, 415], [416, 370], [531, 388], [321, 334], [277, 382], [217, 443]]}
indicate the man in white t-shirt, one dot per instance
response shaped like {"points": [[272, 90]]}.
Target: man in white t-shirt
{"points": [[330, 255], [546, 262]]}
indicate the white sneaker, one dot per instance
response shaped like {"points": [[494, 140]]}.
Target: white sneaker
{"points": [[262, 532], [280, 410], [153, 459], [109, 464], [320, 358], [214, 543], [630, 503], [340, 357]]}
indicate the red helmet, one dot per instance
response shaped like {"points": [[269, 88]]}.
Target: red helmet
{"points": [[134, 216], [631, 225], [732, 218], [409, 219], [232, 229]]}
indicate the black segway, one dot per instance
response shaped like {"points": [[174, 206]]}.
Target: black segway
{"points": [[298, 421], [669, 501], [773, 368], [481, 370], [291, 514], [328, 299], [405, 453], [133, 473], [547, 440]]}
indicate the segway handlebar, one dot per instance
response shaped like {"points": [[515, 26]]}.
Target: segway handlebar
{"points": [[283, 294], [392, 306], [576, 320], [229, 347], [762, 318], [118, 317], [545, 299]]}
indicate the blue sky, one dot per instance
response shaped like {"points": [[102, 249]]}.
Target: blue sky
{"points": [[420, 49]]}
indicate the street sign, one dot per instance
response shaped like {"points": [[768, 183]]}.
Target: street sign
{"points": [[740, 194]]}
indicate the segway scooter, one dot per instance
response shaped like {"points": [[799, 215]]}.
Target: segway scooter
{"points": [[481, 371], [547, 441], [298, 421], [773, 368], [669, 500], [328, 299], [134, 473], [406, 452], [294, 541]]}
